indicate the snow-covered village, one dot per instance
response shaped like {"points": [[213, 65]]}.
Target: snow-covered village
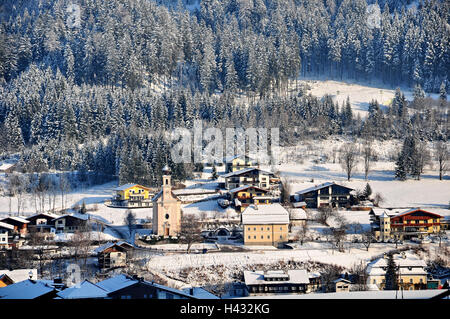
{"points": [[226, 150]]}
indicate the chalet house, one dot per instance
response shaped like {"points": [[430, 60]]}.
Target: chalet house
{"points": [[19, 223], [42, 222], [247, 195], [249, 176], [166, 209], [29, 289], [265, 224], [131, 196], [239, 162], [278, 281], [70, 223], [326, 194], [6, 233], [113, 255], [404, 224], [411, 273], [122, 287]]}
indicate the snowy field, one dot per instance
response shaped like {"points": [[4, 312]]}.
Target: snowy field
{"points": [[360, 94]]}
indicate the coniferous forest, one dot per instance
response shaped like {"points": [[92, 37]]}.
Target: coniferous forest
{"points": [[99, 97]]}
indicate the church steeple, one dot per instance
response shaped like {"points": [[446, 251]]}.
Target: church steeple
{"points": [[166, 178]]}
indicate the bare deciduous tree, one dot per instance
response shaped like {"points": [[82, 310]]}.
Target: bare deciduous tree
{"points": [[323, 214], [302, 233], [190, 231], [441, 154], [368, 153], [348, 158], [367, 238]]}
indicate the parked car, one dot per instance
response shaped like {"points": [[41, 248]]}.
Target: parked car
{"points": [[224, 203], [426, 240]]}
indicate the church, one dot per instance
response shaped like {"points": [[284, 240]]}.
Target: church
{"points": [[166, 209]]}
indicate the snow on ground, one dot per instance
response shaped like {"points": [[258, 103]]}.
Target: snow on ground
{"points": [[324, 255], [360, 94], [209, 209]]}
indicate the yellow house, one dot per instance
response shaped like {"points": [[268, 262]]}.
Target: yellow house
{"points": [[248, 176], [131, 196], [411, 273], [236, 163], [265, 224], [248, 194]]}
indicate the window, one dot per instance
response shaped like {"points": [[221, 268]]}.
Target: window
{"points": [[268, 236], [254, 237], [254, 228], [268, 228], [374, 281], [411, 281], [249, 237], [262, 237], [167, 216]]}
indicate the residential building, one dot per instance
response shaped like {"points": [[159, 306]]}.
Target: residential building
{"points": [[247, 195], [166, 209], [123, 287], [111, 255], [42, 222], [404, 223], [6, 233], [265, 224], [411, 272], [326, 194], [297, 217], [277, 281], [131, 196], [239, 162], [19, 223], [250, 176], [71, 223]]}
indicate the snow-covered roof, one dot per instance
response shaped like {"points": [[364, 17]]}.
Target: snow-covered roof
{"points": [[317, 187], [246, 170], [343, 280], [127, 186], [5, 166], [82, 291], [123, 281], [409, 265], [111, 244], [412, 210], [231, 158], [299, 204], [297, 276], [27, 289], [116, 283], [298, 213], [199, 293], [380, 294], [7, 226], [18, 275], [50, 215], [244, 187], [74, 215], [265, 214], [17, 218]]}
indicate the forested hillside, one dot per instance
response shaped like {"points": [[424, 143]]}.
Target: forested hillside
{"points": [[99, 92]]}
